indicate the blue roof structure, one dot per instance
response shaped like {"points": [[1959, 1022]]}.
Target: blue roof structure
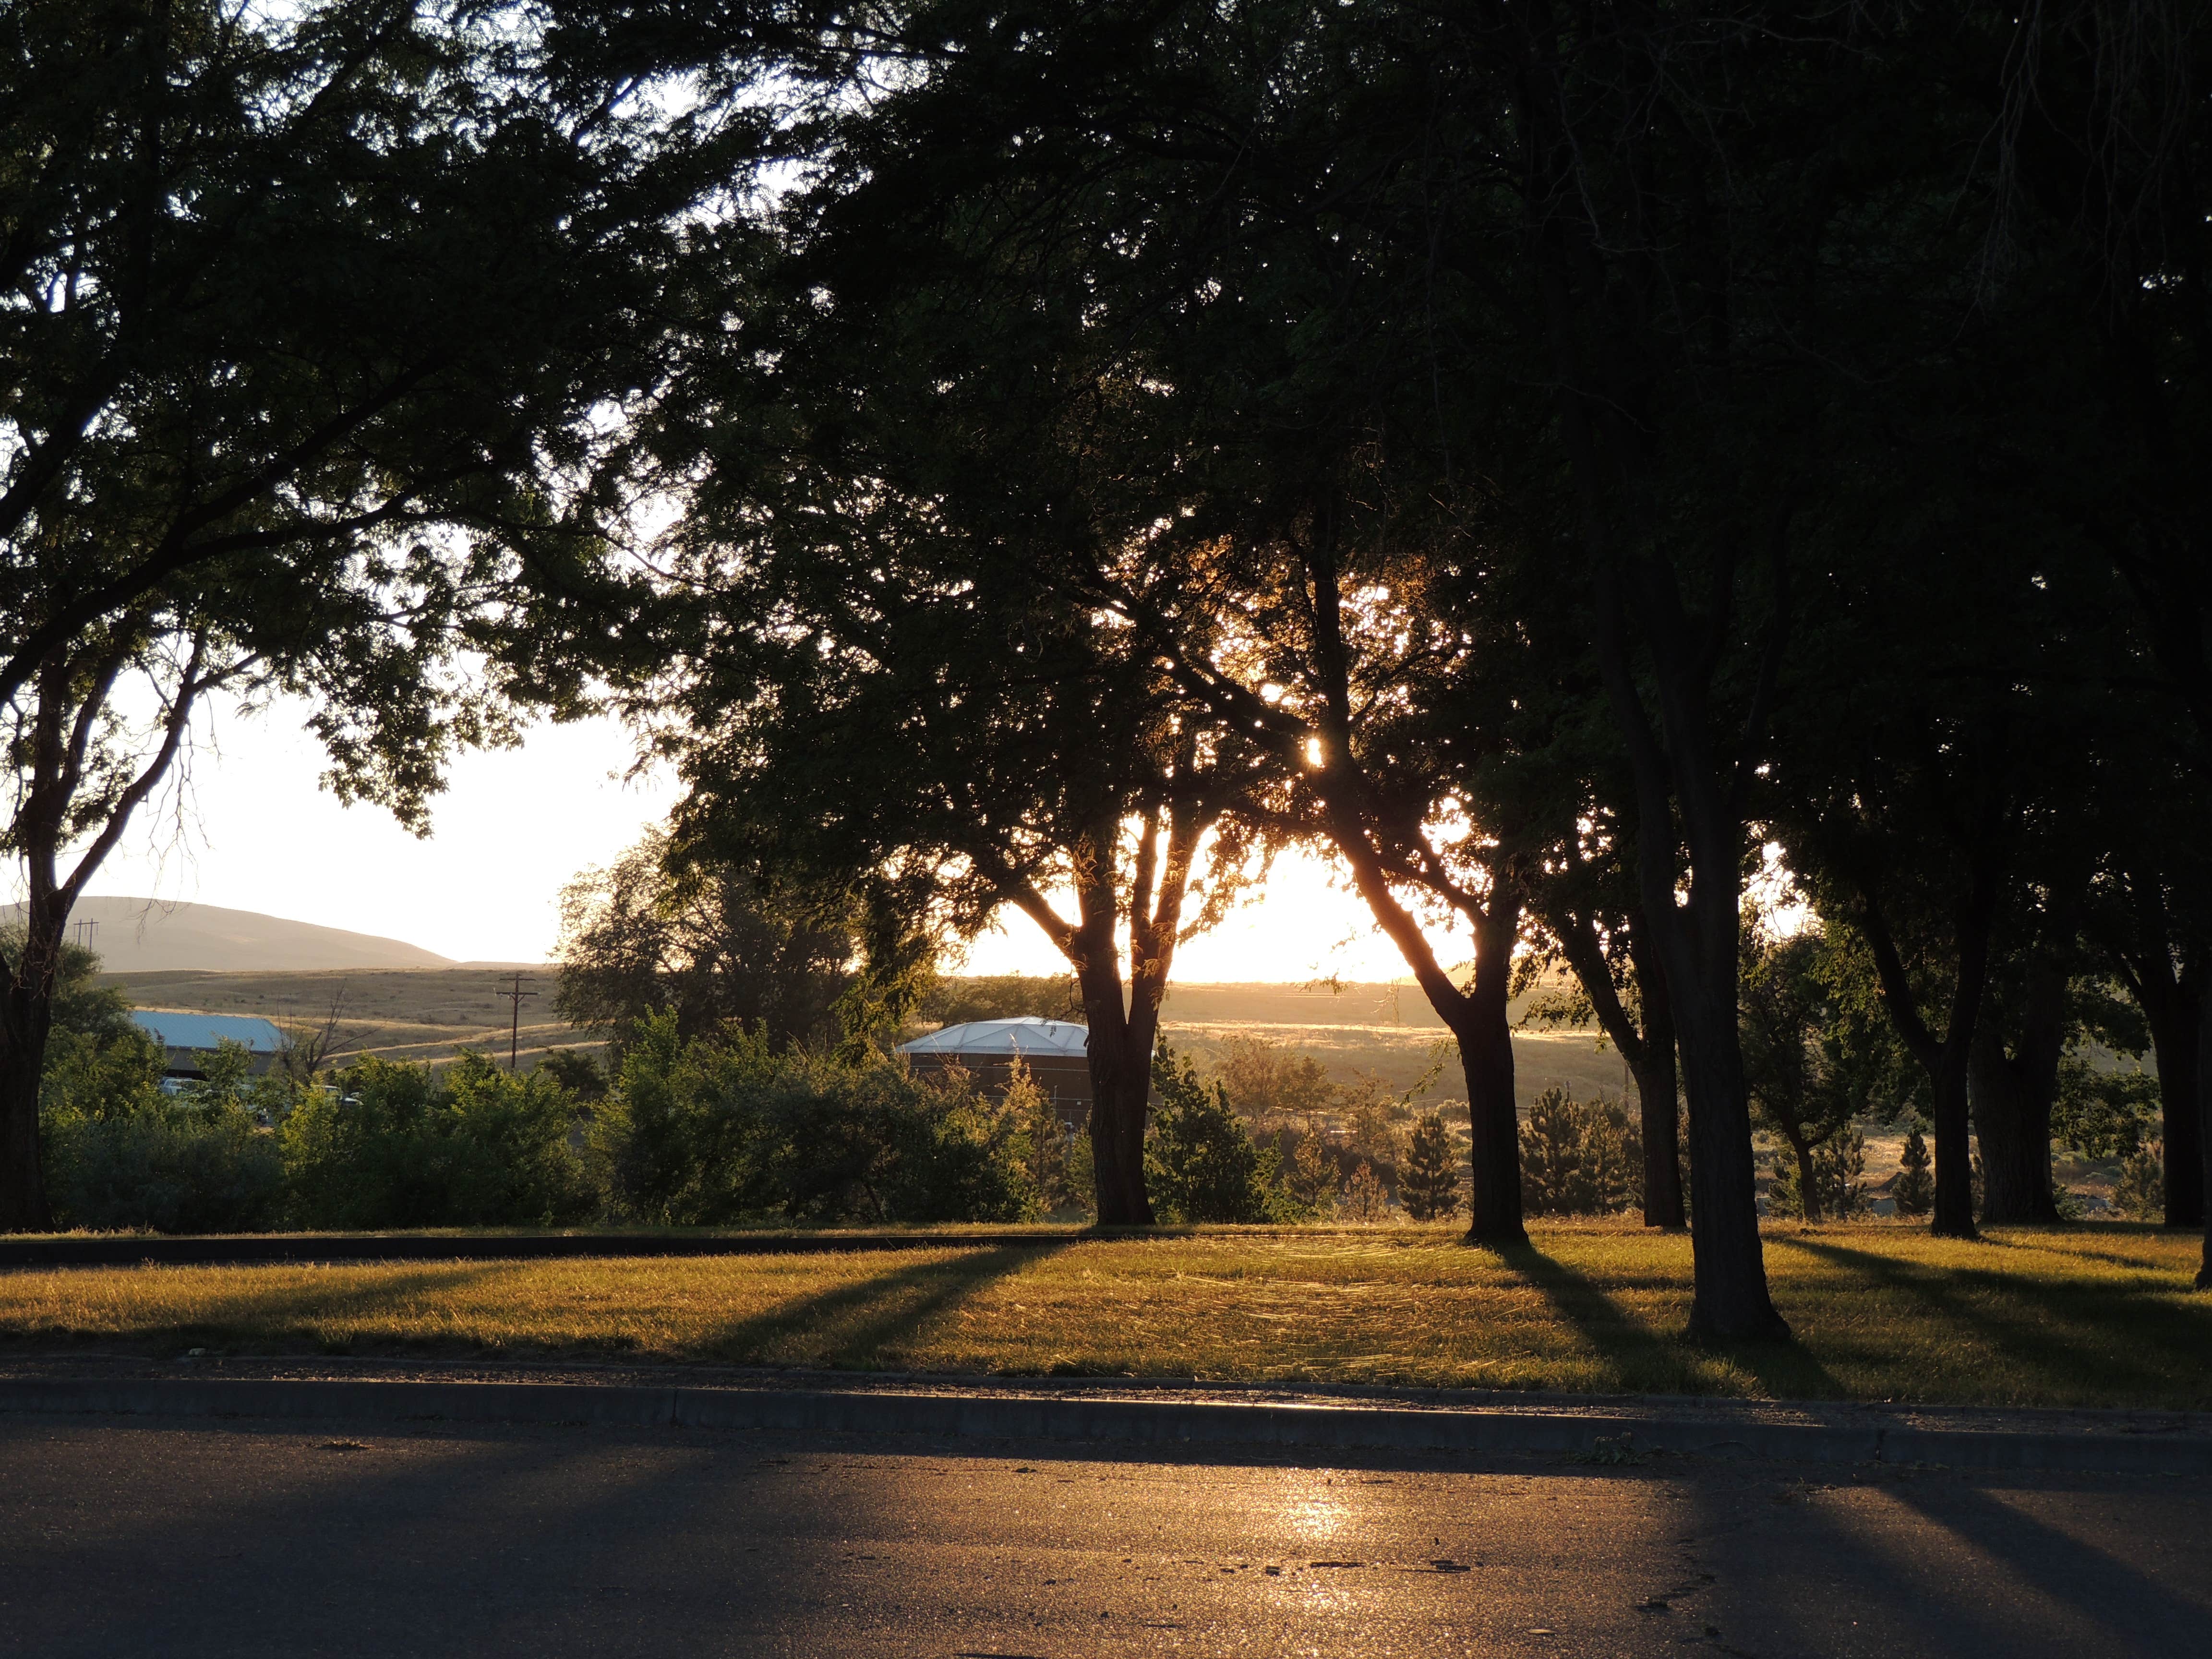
{"points": [[208, 1031]]}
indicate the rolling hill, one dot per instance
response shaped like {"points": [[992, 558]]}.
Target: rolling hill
{"points": [[136, 936]]}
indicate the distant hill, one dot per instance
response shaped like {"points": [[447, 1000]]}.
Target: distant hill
{"points": [[138, 936]]}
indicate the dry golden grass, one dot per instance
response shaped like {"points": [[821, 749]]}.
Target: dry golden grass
{"points": [[2085, 1316]]}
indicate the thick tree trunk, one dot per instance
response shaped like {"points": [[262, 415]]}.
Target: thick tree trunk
{"points": [[1730, 1296], [2012, 1122], [26, 1016], [1953, 1215], [1486, 1048], [2204, 1124], [2173, 1026], [1656, 1089], [1120, 1095]]}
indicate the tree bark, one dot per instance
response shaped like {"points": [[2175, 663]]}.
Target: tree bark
{"points": [[2204, 1125], [1121, 1096], [2180, 1110], [2011, 1104], [2173, 1006], [1658, 1114], [1486, 1047], [25, 1017]]}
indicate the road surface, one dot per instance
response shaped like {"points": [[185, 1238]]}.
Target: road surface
{"points": [[165, 1537]]}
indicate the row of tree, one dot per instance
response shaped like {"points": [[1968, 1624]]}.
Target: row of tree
{"points": [[1541, 457]]}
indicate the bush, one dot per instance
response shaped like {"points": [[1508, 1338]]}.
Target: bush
{"points": [[1580, 1158], [2140, 1193], [120, 1153], [722, 1131], [1838, 1164], [1428, 1188], [173, 1168], [1366, 1198], [391, 1147], [1201, 1163]]}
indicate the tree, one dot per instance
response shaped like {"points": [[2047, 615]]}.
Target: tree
{"points": [[1428, 1185], [658, 931], [1915, 1190], [1200, 1161], [316, 314]]}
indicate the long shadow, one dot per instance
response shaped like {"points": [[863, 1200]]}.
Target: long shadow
{"points": [[2068, 1335], [1648, 1360], [2113, 1594], [872, 1313], [254, 1313]]}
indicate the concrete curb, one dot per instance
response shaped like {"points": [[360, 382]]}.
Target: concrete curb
{"points": [[1105, 1422], [259, 1249]]}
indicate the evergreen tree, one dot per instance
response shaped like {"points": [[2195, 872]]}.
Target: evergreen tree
{"points": [[1915, 1191], [1201, 1163], [1428, 1188]]}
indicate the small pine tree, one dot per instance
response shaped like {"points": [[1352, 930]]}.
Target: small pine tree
{"points": [[1428, 1188], [1044, 1137], [1915, 1191], [1200, 1163], [2140, 1192], [1311, 1181]]}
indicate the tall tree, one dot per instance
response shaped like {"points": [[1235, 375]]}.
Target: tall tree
{"points": [[315, 320]]}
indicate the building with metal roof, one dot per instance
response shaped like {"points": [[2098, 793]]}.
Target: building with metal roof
{"points": [[1056, 1052], [189, 1041]]}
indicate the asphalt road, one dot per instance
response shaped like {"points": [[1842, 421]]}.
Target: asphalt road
{"points": [[122, 1537]]}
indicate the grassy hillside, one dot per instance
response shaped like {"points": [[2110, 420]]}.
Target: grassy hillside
{"points": [[408, 1014]]}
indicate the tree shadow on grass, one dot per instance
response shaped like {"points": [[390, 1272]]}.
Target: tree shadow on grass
{"points": [[278, 1317], [1650, 1361], [2093, 1339], [850, 1325]]}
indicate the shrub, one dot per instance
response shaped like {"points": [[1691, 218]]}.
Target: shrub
{"points": [[2140, 1192], [390, 1146], [1838, 1164], [121, 1153], [1429, 1187], [1201, 1163], [175, 1168], [722, 1130], [1366, 1198], [1580, 1158]]}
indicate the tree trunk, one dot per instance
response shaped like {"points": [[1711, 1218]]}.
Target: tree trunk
{"points": [[1486, 1048], [1730, 1264], [1952, 1216], [1120, 1097], [2012, 1121], [2173, 1020], [1808, 1180], [2204, 1124], [1658, 1111], [26, 1016]]}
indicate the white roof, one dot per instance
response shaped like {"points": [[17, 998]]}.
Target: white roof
{"points": [[1030, 1035], [208, 1031]]}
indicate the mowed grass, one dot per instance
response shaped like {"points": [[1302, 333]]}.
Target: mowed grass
{"points": [[2097, 1316]]}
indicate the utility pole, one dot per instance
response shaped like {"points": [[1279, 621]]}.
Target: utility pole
{"points": [[514, 995], [85, 930]]}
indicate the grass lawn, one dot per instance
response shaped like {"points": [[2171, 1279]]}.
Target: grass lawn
{"points": [[2097, 1315]]}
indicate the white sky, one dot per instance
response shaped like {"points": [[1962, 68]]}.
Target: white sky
{"points": [[514, 825]]}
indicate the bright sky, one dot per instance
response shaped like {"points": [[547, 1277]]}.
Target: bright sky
{"points": [[514, 825]]}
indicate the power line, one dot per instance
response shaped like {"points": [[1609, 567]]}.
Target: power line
{"points": [[514, 996]]}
